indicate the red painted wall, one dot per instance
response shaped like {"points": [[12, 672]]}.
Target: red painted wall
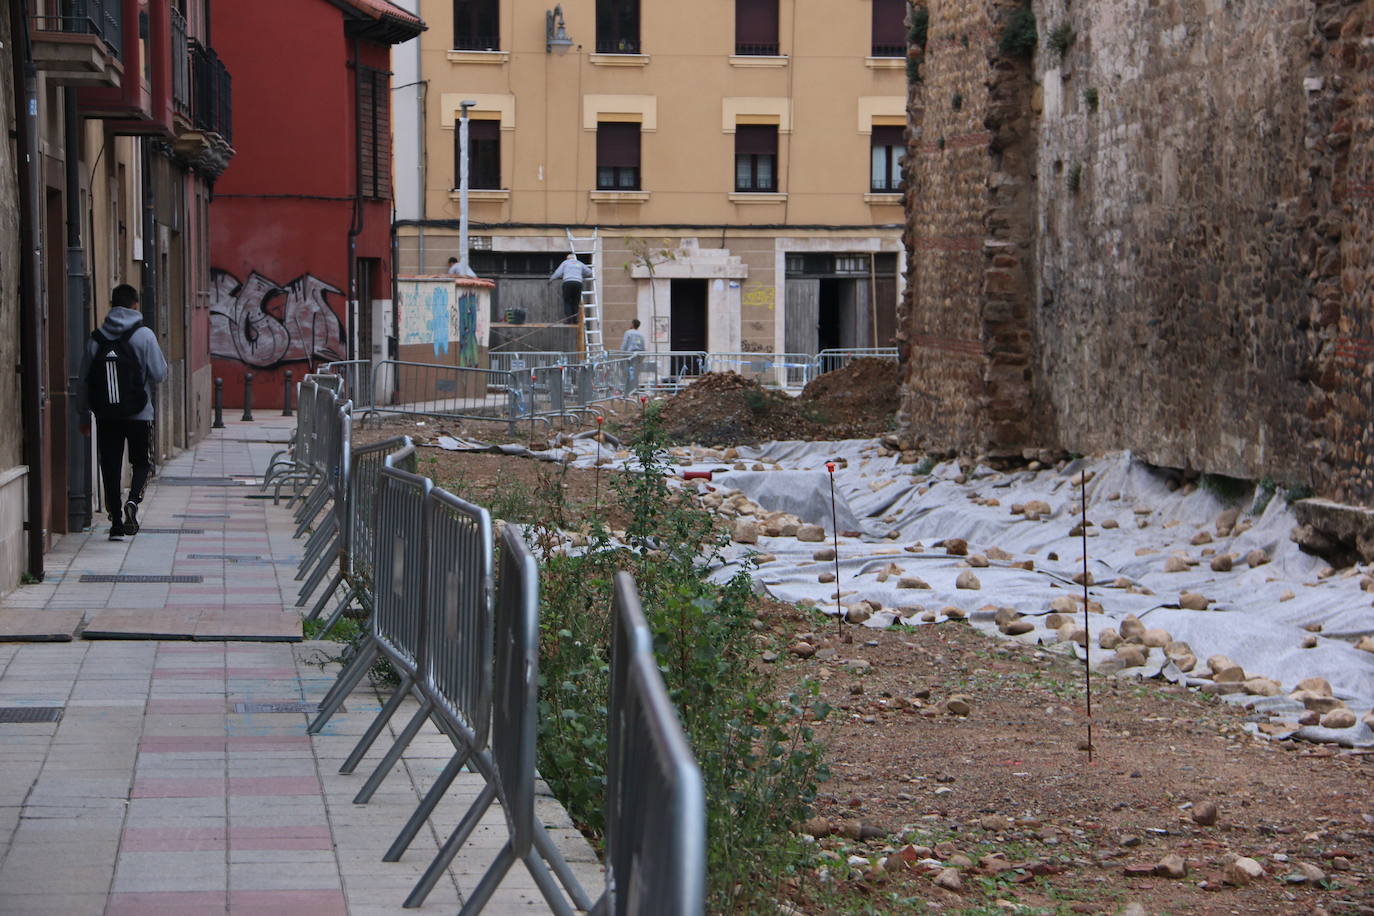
{"points": [[282, 210]]}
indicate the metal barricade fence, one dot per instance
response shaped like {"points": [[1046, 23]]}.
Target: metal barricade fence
{"points": [[669, 371], [508, 360], [839, 357], [355, 379], [437, 390], [364, 483], [655, 797], [789, 371], [509, 766]]}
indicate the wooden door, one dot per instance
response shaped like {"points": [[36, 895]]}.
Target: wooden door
{"points": [[801, 306]]}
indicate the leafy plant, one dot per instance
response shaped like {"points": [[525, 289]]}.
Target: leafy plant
{"points": [[1075, 179], [1090, 98], [1298, 491], [1019, 34], [1264, 492], [1227, 490], [1061, 39], [917, 29], [757, 752]]}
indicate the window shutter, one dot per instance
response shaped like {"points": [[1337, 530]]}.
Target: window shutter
{"points": [[889, 27], [756, 139], [887, 135], [617, 144], [756, 24]]}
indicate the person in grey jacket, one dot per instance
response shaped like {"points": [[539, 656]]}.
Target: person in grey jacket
{"points": [[573, 273], [113, 434]]}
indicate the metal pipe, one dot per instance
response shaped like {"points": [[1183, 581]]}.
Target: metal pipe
{"points": [[219, 405], [80, 505], [247, 396], [30, 306], [286, 394], [357, 219], [463, 187]]}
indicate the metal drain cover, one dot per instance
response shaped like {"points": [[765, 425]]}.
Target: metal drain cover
{"points": [[10, 715], [137, 579], [201, 515], [227, 557], [171, 531], [200, 482], [279, 707]]}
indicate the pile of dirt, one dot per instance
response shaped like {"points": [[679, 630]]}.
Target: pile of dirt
{"points": [[861, 399], [725, 408]]}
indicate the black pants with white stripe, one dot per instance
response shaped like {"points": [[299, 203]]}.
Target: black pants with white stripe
{"points": [[111, 437]]}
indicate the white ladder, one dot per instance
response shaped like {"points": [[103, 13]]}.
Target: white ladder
{"points": [[592, 340]]}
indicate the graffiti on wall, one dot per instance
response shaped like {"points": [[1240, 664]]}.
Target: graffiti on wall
{"points": [[262, 323], [441, 315]]}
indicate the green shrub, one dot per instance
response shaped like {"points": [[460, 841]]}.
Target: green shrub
{"points": [[1090, 98], [759, 758], [1228, 490], [1061, 39], [1019, 35]]}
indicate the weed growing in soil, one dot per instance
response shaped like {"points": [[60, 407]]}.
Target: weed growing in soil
{"points": [[1228, 490], [351, 631], [759, 758]]}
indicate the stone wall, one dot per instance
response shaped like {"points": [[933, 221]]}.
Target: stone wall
{"points": [[1196, 201]]}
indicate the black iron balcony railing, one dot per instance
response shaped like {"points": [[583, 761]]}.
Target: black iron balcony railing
{"points": [[211, 92], [756, 50], [885, 50], [477, 42], [181, 66], [102, 18], [617, 45]]}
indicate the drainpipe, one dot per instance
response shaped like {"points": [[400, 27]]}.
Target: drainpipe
{"points": [[79, 506], [148, 293], [355, 225], [30, 304]]}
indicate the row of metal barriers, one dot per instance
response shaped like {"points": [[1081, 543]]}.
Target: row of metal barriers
{"points": [[454, 607], [547, 387]]}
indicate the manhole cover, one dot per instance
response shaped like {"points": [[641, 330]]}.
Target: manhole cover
{"points": [[279, 707], [171, 531], [10, 715], [199, 482], [137, 579]]}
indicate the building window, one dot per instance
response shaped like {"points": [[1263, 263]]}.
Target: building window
{"points": [[374, 133], [617, 156], [476, 25], [886, 173], [889, 28], [617, 26], [756, 27], [756, 157], [484, 154]]}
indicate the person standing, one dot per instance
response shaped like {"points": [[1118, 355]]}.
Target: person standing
{"points": [[573, 273], [122, 366], [634, 344]]}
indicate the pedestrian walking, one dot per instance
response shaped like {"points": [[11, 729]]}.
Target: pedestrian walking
{"points": [[122, 366], [573, 273]]}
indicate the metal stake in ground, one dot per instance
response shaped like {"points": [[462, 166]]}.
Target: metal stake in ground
{"points": [[1087, 633], [835, 542], [596, 487]]}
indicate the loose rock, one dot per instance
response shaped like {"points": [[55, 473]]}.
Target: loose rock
{"points": [[967, 580], [813, 533], [912, 582], [957, 547], [1242, 871], [827, 553], [949, 879], [745, 532], [1256, 557], [1221, 562], [1205, 813], [959, 705], [1172, 866], [1192, 601], [1338, 718]]}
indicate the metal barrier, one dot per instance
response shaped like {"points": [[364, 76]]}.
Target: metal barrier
{"points": [[771, 370], [668, 371], [437, 390], [508, 360], [838, 358], [355, 379], [655, 798]]}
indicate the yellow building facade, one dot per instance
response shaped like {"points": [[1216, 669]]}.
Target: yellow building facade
{"points": [[736, 161]]}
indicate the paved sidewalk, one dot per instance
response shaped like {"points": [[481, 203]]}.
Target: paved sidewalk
{"points": [[156, 793]]}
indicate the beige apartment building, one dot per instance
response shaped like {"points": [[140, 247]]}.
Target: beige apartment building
{"points": [[736, 160]]}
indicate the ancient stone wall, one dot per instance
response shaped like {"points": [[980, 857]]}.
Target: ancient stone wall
{"points": [[1198, 204]]}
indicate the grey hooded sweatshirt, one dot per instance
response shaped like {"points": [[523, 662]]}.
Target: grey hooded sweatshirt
{"points": [[144, 345]]}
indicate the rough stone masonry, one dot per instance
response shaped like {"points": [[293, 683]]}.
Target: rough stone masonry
{"points": [[1152, 233]]}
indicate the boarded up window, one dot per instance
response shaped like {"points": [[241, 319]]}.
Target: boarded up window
{"points": [[756, 27], [374, 133]]}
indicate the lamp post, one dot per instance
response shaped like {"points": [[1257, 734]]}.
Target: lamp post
{"points": [[463, 267]]}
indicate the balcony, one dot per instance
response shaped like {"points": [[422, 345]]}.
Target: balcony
{"points": [[79, 42], [207, 146]]}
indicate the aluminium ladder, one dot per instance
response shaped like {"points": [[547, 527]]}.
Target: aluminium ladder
{"points": [[592, 340]]}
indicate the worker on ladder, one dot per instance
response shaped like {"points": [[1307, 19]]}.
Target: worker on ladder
{"points": [[573, 273]]}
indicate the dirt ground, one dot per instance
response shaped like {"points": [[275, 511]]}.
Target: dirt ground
{"points": [[912, 780]]}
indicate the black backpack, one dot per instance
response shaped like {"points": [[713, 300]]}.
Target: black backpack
{"points": [[116, 386]]}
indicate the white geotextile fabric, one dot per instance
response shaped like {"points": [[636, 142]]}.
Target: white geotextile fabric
{"points": [[876, 496]]}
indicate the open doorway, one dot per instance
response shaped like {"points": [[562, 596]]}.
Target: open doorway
{"points": [[687, 328]]}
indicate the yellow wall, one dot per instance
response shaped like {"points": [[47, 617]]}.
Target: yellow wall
{"points": [[688, 92]]}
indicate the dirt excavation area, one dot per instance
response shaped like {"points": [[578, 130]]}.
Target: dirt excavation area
{"points": [[940, 607]]}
